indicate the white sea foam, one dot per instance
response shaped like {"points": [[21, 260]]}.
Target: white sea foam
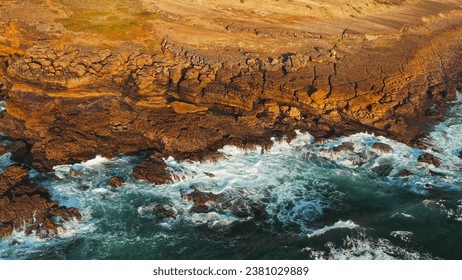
{"points": [[98, 160], [2, 106], [338, 225], [402, 235], [362, 247]]}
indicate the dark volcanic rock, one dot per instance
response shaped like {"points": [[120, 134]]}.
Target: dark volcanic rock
{"points": [[116, 181], [385, 148], [163, 213], [345, 146], [383, 170], [152, 171], [404, 173], [430, 159]]}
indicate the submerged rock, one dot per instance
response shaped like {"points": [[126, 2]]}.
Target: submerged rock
{"points": [[161, 212], [404, 173], [383, 170], [76, 173], [385, 148], [116, 181], [430, 159], [344, 147]]}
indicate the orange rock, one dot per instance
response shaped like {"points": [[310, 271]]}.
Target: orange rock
{"points": [[186, 108]]}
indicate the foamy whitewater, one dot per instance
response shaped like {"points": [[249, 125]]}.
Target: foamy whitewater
{"points": [[318, 203]]}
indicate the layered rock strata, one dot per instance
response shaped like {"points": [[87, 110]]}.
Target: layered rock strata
{"points": [[184, 78]]}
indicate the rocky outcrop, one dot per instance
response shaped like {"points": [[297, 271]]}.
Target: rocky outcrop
{"points": [[429, 159], [76, 86], [382, 147], [28, 208], [116, 182], [242, 207], [153, 171], [68, 100]]}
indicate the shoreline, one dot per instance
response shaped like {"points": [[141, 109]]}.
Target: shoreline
{"points": [[184, 79]]}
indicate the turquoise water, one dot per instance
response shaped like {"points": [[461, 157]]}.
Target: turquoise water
{"points": [[317, 204]]}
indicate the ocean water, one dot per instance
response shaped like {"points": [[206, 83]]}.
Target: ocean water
{"points": [[306, 201]]}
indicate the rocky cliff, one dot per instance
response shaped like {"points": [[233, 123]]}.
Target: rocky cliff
{"points": [[184, 78]]}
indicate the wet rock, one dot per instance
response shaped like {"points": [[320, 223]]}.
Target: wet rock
{"points": [[436, 173], [202, 199], [20, 151], [241, 207], [344, 147], [152, 171], [76, 173], [460, 154], [3, 149], [116, 181], [211, 175], [430, 159], [382, 170], [162, 213], [84, 187], [12, 176], [404, 173], [5, 230], [29, 208], [385, 148]]}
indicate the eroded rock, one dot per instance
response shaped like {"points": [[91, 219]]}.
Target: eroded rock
{"points": [[382, 147], [29, 208], [429, 159], [116, 181], [153, 171]]}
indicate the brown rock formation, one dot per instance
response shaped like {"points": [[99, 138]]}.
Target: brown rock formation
{"points": [[385, 148], [116, 181], [430, 159], [28, 208], [241, 207], [152, 171], [80, 82]]}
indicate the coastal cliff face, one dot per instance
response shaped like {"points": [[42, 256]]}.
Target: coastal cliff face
{"points": [[123, 76]]}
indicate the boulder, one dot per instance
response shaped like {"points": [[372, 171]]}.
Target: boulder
{"points": [[382, 147], [404, 173], [116, 181], [204, 202], [345, 146], [382, 170], [429, 159], [163, 213]]}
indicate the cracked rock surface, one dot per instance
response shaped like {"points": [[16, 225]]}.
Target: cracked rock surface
{"points": [[184, 78]]}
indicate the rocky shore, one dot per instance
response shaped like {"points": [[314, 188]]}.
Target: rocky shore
{"points": [[185, 78]]}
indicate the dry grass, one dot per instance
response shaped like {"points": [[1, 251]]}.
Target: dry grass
{"points": [[112, 19]]}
